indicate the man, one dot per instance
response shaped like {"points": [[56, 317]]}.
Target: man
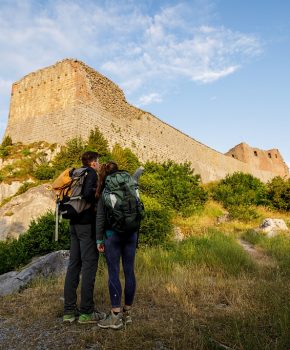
{"points": [[83, 253]]}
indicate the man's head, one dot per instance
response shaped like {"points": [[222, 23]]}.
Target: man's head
{"points": [[91, 159]]}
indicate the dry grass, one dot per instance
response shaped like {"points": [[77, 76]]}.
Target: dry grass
{"points": [[179, 305]]}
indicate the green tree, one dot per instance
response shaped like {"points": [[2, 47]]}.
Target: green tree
{"points": [[125, 158], [98, 143], [70, 154], [7, 141], [278, 193]]}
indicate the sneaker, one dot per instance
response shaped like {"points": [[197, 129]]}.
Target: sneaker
{"points": [[112, 321], [94, 317], [69, 318], [127, 319]]}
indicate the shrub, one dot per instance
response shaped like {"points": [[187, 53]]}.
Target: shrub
{"points": [[174, 185], [156, 226], [26, 152], [44, 172], [278, 193], [243, 212], [98, 143], [240, 189], [70, 154], [38, 240], [4, 152], [125, 158], [25, 186], [7, 141]]}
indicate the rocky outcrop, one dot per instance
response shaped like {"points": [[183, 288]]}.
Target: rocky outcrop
{"points": [[8, 190], [53, 263], [16, 215], [271, 227]]}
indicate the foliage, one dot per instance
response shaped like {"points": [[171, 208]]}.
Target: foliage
{"points": [[243, 212], [44, 172], [278, 193], [98, 143], [156, 226], [26, 152], [240, 189], [174, 185], [38, 240], [7, 141], [125, 158], [70, 154], [4, 152]]}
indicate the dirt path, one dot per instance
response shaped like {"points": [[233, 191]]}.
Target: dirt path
{"points": [[257, 254]]}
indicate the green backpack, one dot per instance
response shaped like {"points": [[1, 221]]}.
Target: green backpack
{"points": [[124, 208]]}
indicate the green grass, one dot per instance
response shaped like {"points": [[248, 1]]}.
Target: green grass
{"points": [[214, 250], [278, 247]]}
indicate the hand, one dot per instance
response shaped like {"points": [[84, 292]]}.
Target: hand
{"points": [[101, 247]]}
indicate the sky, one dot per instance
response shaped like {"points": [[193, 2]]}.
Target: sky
{"points": [[217, 70]]}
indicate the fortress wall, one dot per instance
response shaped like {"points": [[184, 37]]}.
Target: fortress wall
{"points": [[69, 99]]}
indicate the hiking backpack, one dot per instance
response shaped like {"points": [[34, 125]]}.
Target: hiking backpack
{"points": [[68, 189], [124, 208]]}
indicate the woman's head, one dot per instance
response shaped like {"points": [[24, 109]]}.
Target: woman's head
{"points": [[105, 170]]}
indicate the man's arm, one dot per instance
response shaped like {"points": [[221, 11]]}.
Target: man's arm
{"points": [[90, 185]]}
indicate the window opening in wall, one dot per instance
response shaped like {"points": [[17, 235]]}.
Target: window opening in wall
{"points": [[269, 155], [276, 156], [233, 155], [256, 153]]}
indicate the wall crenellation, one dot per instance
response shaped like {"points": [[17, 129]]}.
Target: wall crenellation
{"points": [[69, 99]]}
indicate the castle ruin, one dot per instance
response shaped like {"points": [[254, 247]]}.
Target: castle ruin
{"points": [[69, 99]]}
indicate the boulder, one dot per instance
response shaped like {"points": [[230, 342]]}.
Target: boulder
{"points": [[273, 226], [54, 263], [16, 215], [8, 190]]}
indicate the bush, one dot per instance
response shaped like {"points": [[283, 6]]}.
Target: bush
{"points": [[7, 141], [278, 193], [174, 185], [156, 226], [243, 212], [26, 152], [125, 158], [38, 240], [240, 190], [98, 143], [70, 154], [44, 172], [4, 152]]}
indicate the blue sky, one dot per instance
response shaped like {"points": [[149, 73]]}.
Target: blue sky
{"points": [[216, 69]]}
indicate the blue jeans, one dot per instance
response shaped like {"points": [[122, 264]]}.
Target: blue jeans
{"points": [[115, 249]]}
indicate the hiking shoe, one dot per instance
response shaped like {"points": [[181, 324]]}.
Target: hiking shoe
{"points": [[112, 321], [94, 317], [127, 319], [69, 318]]}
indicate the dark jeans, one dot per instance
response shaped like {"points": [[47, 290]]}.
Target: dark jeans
{"points": [[83, 260], [116, 248]]}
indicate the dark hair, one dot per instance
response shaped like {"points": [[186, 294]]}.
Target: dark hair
{"points": [[105, 170], [89, 157]]}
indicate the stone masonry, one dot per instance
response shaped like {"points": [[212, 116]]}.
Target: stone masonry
{"points": [[69, 99]]}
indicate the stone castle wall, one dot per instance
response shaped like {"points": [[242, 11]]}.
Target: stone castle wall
{"points": [[70, 98]]}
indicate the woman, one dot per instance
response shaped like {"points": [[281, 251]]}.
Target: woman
{"points": [[116, 246]]}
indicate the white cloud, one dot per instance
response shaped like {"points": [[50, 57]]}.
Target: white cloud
{"points": [[151, 98], [140, 50]]}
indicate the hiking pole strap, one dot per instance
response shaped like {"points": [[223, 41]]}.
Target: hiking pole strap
{"points": [[56, 222]]}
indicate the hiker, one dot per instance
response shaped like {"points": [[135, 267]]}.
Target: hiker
{"points": [[116, 246], [83, 253]]}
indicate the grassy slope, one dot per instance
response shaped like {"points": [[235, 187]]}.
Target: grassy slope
{"points": [[200, 294]]}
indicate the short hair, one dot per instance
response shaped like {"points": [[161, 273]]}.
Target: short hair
{"points": [[89, 157]]}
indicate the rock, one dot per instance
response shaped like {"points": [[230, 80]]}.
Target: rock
{"points": [[16, 215], [53, 263], [272, 226], [223, 218], [178, 235], [8, 190]]}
